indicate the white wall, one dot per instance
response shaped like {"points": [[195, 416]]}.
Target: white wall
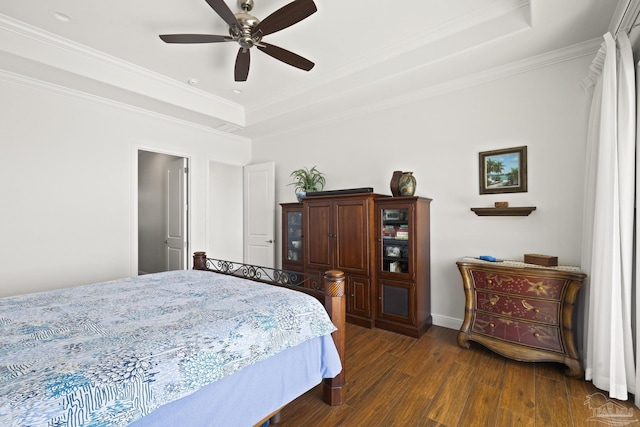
{"points": [[225, 239], [68, 183], [439, 140], [68, 180]]}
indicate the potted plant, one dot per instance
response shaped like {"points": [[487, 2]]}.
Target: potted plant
{"points": [[306, 180]]}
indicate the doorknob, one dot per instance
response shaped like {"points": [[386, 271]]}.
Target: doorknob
{"points": [[269, 241]]}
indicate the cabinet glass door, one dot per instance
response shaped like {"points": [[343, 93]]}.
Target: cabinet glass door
{"points": [[294, 236], [395, 240]]}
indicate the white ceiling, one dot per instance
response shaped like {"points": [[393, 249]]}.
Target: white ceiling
{"points": [[368, 53]]}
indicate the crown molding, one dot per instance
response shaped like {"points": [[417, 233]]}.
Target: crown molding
{"points": [[22, 40], [439, 34], [44, 86], [548, 59]]}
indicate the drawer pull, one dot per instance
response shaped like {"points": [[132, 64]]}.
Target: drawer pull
{"points": [[492, 302], [539, 287], [493, 325], [537, 310], [536, 334]]}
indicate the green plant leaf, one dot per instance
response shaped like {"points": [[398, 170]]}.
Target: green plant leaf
{"points": [[306, 179]]}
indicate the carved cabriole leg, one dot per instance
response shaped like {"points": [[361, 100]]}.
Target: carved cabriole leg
{"points": [[467, 283], [463, 340], [575, 370], [335, 389]]}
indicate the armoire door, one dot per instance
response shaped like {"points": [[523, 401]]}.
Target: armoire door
{"points": [[318, 235], [352, 236]]}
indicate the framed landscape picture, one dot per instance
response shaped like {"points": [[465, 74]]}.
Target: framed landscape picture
{"points": [[503, 171]]}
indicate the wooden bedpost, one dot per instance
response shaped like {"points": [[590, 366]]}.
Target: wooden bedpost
{"points": [[199, 260], [334, 390]]}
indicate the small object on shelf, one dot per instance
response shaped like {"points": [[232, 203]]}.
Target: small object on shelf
{"points": [[395, 183], [389, 232], [488, 258], [501, 204], [515, 211], [394, 267], [340, 192], [407, 184], [394, 215], [542, 260], [393, 251], [307, 180]]}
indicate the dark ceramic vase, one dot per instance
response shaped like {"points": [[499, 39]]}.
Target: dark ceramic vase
{"points": [[395, 183]]}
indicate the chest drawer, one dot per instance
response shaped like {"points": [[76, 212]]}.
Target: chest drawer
{"points": [[520, 332], [527, 285], [546, 311]]}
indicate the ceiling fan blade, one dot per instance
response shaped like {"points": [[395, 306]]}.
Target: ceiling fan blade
{"points": [[286, 56], [194, 38], [285, 17], [242, 65], [223, 10]]}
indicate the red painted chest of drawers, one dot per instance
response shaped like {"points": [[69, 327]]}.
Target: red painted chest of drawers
{"points": [[522, 311]]}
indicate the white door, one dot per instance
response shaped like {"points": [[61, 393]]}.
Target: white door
{"points": [[176, 209], [259, 214]]}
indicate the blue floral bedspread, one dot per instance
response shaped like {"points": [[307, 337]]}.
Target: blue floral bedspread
{"points": [[107, 354]]}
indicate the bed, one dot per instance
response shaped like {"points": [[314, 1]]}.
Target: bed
{"points": [[216, 345]]}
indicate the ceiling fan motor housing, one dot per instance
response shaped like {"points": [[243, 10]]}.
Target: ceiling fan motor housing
{"points": [[244, 34]]}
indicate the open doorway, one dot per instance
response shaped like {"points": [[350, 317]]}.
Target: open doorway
{"points": [[162, 212]]}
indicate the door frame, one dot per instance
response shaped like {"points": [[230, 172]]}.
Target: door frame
{"points": [[135, 149]]}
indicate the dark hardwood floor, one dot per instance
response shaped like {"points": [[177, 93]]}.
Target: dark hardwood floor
{"points": [[395, 380]]}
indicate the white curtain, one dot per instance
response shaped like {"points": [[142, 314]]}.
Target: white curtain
{"points": [[608, 236]]}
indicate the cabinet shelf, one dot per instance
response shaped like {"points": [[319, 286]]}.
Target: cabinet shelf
{"points": [[395, 258], [515, 211], [393, 240]]}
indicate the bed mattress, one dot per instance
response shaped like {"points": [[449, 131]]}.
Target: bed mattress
{"points": [[112, 353]]}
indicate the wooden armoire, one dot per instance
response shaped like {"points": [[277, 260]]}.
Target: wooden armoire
{"points": [[339, 234], [350, 232]]}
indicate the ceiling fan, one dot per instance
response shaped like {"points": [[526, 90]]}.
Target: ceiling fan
{"points": [[248, 31]]}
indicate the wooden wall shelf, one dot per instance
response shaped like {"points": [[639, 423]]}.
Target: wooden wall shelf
{"points": [[515, 211]]}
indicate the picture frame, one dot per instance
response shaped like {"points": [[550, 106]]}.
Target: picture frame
{"points": [[503, 171]]}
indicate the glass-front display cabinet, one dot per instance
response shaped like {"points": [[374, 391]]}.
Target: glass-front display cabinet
{"points": [[292, 241], [403, 265]]}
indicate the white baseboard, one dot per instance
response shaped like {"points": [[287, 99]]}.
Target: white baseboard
{"points": [[446, 321]]}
